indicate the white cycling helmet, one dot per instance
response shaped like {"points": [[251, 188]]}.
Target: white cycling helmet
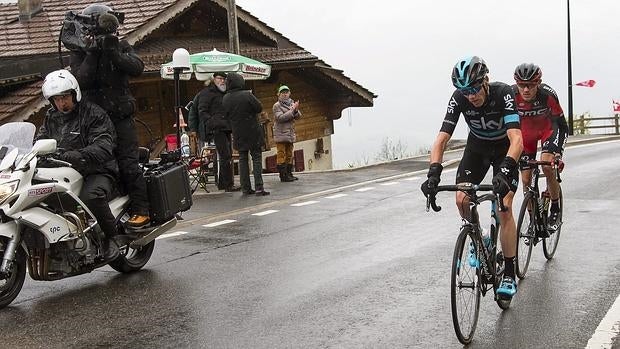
{"points": [[61, 82]]}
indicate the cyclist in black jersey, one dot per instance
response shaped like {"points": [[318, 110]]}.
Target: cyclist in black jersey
{"points": [[494, 139]]}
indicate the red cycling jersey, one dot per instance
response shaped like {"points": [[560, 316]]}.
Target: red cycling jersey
{"points": [[540, 118]]}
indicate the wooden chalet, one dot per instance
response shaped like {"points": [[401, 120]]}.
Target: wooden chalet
{"points": [[29, 50]]}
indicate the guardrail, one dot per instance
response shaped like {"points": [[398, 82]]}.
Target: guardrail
{"points": [[583, 124]]}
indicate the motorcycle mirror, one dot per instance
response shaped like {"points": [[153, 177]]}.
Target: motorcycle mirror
{"points": [[44, 146], [9, 159]]}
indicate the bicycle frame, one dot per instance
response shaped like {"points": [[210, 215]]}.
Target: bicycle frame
{"points": [[540, 215], [473, 222]]}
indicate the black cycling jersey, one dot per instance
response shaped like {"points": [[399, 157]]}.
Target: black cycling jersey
{"points": [[488, 122]]}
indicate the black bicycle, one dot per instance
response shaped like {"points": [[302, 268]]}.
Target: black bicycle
{"points": [[532, 222], [477, 267]]}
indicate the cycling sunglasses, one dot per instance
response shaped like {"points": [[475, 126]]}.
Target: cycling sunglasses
{"points": [[471, 90], [529, 85]]}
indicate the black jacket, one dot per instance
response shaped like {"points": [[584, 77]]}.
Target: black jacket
{"points": [[103, 76], [241, 108], [87, 129], [211, 111]]}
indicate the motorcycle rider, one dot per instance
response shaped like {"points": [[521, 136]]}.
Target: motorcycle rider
{"points": [[103, 72], [86, 138]]}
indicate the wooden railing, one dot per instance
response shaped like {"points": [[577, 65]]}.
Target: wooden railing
{"points": [[584, 123]]}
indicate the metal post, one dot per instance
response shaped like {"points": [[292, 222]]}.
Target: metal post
{"points": [[570, 75], [617, 124], [233, 29], [177, 103]]}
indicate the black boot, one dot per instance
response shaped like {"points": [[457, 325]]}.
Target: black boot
{"points": [[289, 171], [283, 170], [109, 249], [260, 191]]}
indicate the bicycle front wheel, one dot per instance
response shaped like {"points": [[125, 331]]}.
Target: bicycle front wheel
{"points": [[465, 286], [550, 244], [525, 234]]}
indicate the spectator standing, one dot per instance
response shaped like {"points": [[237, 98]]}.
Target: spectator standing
{"points": [[241, 108], [212, 117], [285, 112]]}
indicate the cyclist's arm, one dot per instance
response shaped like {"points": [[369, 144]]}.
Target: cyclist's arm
{"points": [[439, 146], [516, 143], [558, 121]]}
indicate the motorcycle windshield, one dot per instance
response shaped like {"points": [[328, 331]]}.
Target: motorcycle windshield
{"points": [[17, 135]]}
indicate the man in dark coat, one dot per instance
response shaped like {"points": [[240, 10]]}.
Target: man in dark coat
{"points": [[103, 73], [211, 114], [241, 107], [87, 138]]}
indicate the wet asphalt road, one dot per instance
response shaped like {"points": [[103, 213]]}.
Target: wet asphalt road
{"points": [[368, 269]]}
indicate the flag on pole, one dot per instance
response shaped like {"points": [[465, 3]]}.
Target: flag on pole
{"points": [[587, 83], [616, 106]]}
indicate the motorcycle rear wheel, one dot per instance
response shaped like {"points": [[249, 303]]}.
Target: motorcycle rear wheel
{"points": [[12, 285], [132, 260]]}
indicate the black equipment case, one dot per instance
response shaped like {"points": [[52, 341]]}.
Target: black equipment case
{"points": [[169, 190]]}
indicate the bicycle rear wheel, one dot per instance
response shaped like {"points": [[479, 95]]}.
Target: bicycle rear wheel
{"points": [[465, 286], [525, 234], [550, 244]]}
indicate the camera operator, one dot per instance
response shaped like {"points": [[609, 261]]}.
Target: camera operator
{"points": [[102, 64], [86, 136]]}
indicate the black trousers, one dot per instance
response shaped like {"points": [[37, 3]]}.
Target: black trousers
{"points": [[223, 146], [127, 156], [97, 190]]}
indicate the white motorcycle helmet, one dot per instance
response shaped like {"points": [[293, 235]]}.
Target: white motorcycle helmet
{"points": [[61, 82]]}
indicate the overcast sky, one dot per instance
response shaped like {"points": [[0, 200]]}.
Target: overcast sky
{"points": [[404, 51]]}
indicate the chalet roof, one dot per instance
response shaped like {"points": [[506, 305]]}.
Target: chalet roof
{"points": [[145, 21]]}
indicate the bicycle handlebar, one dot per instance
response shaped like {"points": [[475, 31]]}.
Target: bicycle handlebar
{"points": [[468, 188], [557, 164]]}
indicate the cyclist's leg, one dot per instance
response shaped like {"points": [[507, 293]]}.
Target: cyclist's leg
{"points": [[472, 168], [508, 232], [551, 147]]}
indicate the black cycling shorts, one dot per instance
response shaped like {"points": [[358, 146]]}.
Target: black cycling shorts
{"points": [[478, 156]]}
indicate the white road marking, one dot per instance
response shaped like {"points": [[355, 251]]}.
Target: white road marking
{"points": [[608, 329], [264, 213], [389, 183], [336, 196], [411, 178], [169, 235], [365, 189], [215, 224], [311, 202]]}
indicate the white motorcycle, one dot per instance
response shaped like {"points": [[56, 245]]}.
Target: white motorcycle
{"points": [[45, 226]]}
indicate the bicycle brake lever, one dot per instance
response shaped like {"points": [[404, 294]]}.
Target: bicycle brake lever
{"points": [[500, 202]]}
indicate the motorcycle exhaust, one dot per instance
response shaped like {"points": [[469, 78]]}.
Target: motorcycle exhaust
{"points": [[146, 239]]}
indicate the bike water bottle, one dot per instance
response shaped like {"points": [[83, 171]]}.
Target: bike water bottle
{"points": [[185, 150]]}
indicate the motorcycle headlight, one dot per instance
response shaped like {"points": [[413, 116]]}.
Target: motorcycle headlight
{"points": [[7, 189]]}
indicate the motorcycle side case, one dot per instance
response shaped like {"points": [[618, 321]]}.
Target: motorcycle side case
{"points": [[169, 191]]}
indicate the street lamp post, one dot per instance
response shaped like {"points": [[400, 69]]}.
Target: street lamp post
{"points": [[570, 75], [180, 62]]}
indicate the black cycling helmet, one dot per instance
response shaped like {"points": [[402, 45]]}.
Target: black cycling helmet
{"points": [[469, 71], [528, 72]]}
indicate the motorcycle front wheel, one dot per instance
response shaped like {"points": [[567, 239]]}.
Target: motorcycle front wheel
{"points": [[131, 259], [11, 285]]}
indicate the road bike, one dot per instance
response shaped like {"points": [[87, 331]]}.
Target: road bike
{"points": [[478, 262], [532, 221]]}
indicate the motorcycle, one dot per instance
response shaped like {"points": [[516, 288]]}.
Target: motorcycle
{"points": [[46, 229]]}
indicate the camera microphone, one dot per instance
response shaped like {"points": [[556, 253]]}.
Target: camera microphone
{"points": [[107, 23]]}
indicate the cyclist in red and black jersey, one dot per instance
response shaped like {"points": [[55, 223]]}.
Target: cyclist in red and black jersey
{"points": [[542, 119], [494, 139]]}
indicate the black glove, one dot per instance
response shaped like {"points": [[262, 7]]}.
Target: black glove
{"points": [[73, 157], [501, 181], [434, 177]]}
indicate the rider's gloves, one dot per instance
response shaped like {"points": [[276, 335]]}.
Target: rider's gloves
{"points": [[73, 157], [501, 181], [434, 174], [559, 163]]}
